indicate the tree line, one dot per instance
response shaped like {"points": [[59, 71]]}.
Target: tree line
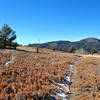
{"points": [[72, 49], [7, 37]]}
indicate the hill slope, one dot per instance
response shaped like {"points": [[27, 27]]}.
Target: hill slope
{"points": [[87, 44]]}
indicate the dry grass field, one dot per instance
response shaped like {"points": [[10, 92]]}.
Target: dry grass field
{"points": [[32, 76], [86, 80], [33, 49]]}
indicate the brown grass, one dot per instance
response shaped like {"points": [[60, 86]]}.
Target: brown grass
{"points": [[86, 85], [31, 75]]}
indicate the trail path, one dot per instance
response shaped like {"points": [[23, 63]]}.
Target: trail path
{"points": [[65, 92], [98, 56]]}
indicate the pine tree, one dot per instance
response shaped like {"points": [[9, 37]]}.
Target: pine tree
{"points": [[7, 36], [72, 49], [94, 51]]}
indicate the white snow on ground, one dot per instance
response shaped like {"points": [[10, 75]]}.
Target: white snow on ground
{"points": [[9, 61], [66, 85], [63, 90], [72, 67], [62, 95], [68, 78]]}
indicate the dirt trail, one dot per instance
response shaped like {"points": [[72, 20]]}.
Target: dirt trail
{"points": [[73, 70], [65, 86], [98, 56]]}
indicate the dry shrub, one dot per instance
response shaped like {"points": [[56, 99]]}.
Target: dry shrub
{"points": [[87, 79], [31, 75]]}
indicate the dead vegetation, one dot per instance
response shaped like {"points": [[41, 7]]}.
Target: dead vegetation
{"points": [[86, 80], [32, 76]]}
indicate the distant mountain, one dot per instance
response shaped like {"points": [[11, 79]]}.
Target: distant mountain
{"points": [[87, 44]]}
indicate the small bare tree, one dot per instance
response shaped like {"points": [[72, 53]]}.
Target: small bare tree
{"points": [[53, 46], [37, 49]]}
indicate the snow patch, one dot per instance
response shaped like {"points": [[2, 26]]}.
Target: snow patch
{"points": [[65, 86], [9, 61], [62, 95]]}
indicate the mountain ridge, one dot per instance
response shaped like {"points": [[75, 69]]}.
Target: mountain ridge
{"points": [[87, 44]]}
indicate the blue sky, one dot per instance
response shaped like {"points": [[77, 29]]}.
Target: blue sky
{"points": [[51, 20]]}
